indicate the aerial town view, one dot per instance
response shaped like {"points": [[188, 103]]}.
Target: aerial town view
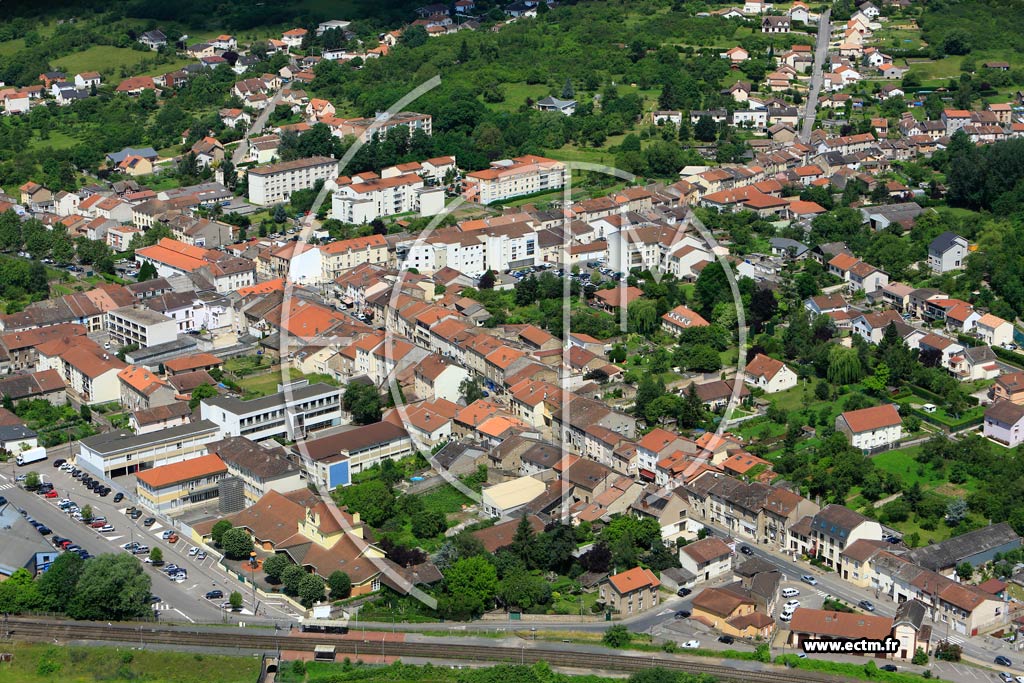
{"points": [[511, 341]]}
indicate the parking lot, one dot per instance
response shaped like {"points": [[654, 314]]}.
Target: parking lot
{"points": [[182, 599]]}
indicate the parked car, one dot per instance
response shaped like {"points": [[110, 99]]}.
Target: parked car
{"points": [[50, 494], [149, 521], [683, 614], [43, 529], [746, 550], [866, 605], [98, 524], [1003, 661], [790, 592], [683, 592], [1005, 677], [809, 580], [727, 639], [201, 556], [889, 667], [192, 551], [106, 529], [214, 595], [167, 534], [59, 462], [790, 605], [691, 644], [118, 497], [135, 514], [173, 538]]}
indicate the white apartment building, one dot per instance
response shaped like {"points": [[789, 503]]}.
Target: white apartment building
{"points": [[293, 412], [121, 452], [138, 325], [274, 183], [362, 200], [499, 248], [513, 178]]}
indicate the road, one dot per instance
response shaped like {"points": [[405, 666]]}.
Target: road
{"points": [[256, 128], [180, 602], [817, 74]]}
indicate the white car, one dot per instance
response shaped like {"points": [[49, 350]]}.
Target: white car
{"points": [[105, 529], [785, 616], [691, 644], [193, 551], [791, 605], [66, 467]]}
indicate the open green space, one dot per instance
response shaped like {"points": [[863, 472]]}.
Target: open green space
{"points": [[255, 386], [48, 663], [106, 59]]}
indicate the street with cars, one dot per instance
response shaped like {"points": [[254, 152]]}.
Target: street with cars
{"points": [[181, 581]]}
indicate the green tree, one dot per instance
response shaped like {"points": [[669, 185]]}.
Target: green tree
{"points": [[156, 556], [147, 271], [363, 401], [340, 585], [965, 571], [32, 481], [111, 587], [235, 600], [57, 584], [274, 566], [428, 524], [310, 590], [19, 592], [237, 543], [920, 657], [617, 636], [642, 316], [844, 366], [199, 393], [473, 582], [217, 532], [487, 280], [522, 589], [470, 389], [87, 512], [291, 577], [373, 500]]}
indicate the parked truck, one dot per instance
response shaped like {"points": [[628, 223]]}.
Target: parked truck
{"points": [[31, 455]]}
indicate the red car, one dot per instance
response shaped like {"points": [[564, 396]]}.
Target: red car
{"points": [[173, 538], [97, 525], [50, 494]]}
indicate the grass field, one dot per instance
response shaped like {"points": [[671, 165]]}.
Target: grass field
{"points": [[56, 140], [46, 663], [103, 58], [10, 47], [264, 385]]}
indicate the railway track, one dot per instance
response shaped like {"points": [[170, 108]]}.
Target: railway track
{"points": [[249, 641]]}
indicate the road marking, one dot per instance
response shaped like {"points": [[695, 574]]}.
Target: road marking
{"points": [[184, 615], [3, 476], [156, 525], [112, 538], [194, 586], [4, 487]]}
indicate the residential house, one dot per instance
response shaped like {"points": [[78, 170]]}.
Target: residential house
{"points": [[1008, 387], [769, 374], [630, 592], [707, 559], [1004, 422], [872, 429], [947, 252]]}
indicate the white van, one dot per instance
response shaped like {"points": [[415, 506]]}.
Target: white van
{"points": [[790, 592]]}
